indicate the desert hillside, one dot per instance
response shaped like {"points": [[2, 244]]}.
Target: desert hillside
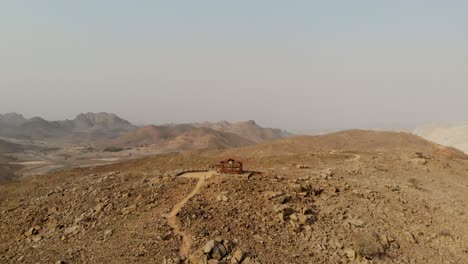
{"points": [[449, 135], [179, 138], [349, 197], [9, 147], [349, 140], [7, 171], [8, 163]]}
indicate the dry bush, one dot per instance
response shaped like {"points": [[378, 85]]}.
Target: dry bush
{"points": [[113, 149], [367, 245], [416, 184], [413, 181], [445, 233]]}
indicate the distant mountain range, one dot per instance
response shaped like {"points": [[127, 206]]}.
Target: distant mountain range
{"points": [[90, 126], [205, 135], [110, 130], [449, 135], [249, 130], [349, 140]]}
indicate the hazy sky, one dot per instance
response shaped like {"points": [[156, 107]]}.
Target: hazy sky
{"points": [[298, 65]]}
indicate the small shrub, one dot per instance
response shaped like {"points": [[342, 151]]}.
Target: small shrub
{"points": [[113, 149], [367, 245], [445, 233]]}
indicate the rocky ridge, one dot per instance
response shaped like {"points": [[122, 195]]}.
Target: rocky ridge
{"points": [[318, 206]]}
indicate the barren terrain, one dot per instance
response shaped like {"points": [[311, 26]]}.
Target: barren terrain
{"points": [[325, 204], [36, 146]]}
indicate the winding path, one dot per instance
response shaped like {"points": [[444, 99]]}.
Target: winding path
{"points": [[172, 216], [356, 156], [174, 223]]}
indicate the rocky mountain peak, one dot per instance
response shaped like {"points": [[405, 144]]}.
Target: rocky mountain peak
{"points": [[251, 123], [12, 118], [101, 119]]}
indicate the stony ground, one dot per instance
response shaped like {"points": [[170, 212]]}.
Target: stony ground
{"points": [[320, 207]]}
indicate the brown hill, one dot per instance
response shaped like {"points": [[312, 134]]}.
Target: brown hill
{"points": [[248, 129], [179, 138], [7, 171], [8, 147], [381, 207], [350, 140]]}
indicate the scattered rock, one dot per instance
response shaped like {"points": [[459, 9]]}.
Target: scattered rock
{"points": [[350, 253], [356, 222], [220, 251], [128, 210], [410, 237], [222, 198], [72, 230], [36, 238], [209, 246], [419, 161], [175, 260], [295, 187], [32, 231], [238, 256], [327, 174], [303, 219]]}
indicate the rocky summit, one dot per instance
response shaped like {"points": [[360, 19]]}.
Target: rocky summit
{"points": [[373, 169], [358, 204]]}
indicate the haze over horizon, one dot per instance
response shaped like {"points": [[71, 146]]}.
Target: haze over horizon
{"points": [[299, 66]]}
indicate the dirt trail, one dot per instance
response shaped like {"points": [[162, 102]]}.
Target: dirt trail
{"points": [[356, 156], [172, 216]]}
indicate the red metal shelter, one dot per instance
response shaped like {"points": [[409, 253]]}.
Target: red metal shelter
{"points": [[231, 166]]}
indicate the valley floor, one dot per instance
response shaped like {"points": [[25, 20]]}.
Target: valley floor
{"points": [[40, 162]]}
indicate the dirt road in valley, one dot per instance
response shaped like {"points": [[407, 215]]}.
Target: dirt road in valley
{"points": [[172, 216]]}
